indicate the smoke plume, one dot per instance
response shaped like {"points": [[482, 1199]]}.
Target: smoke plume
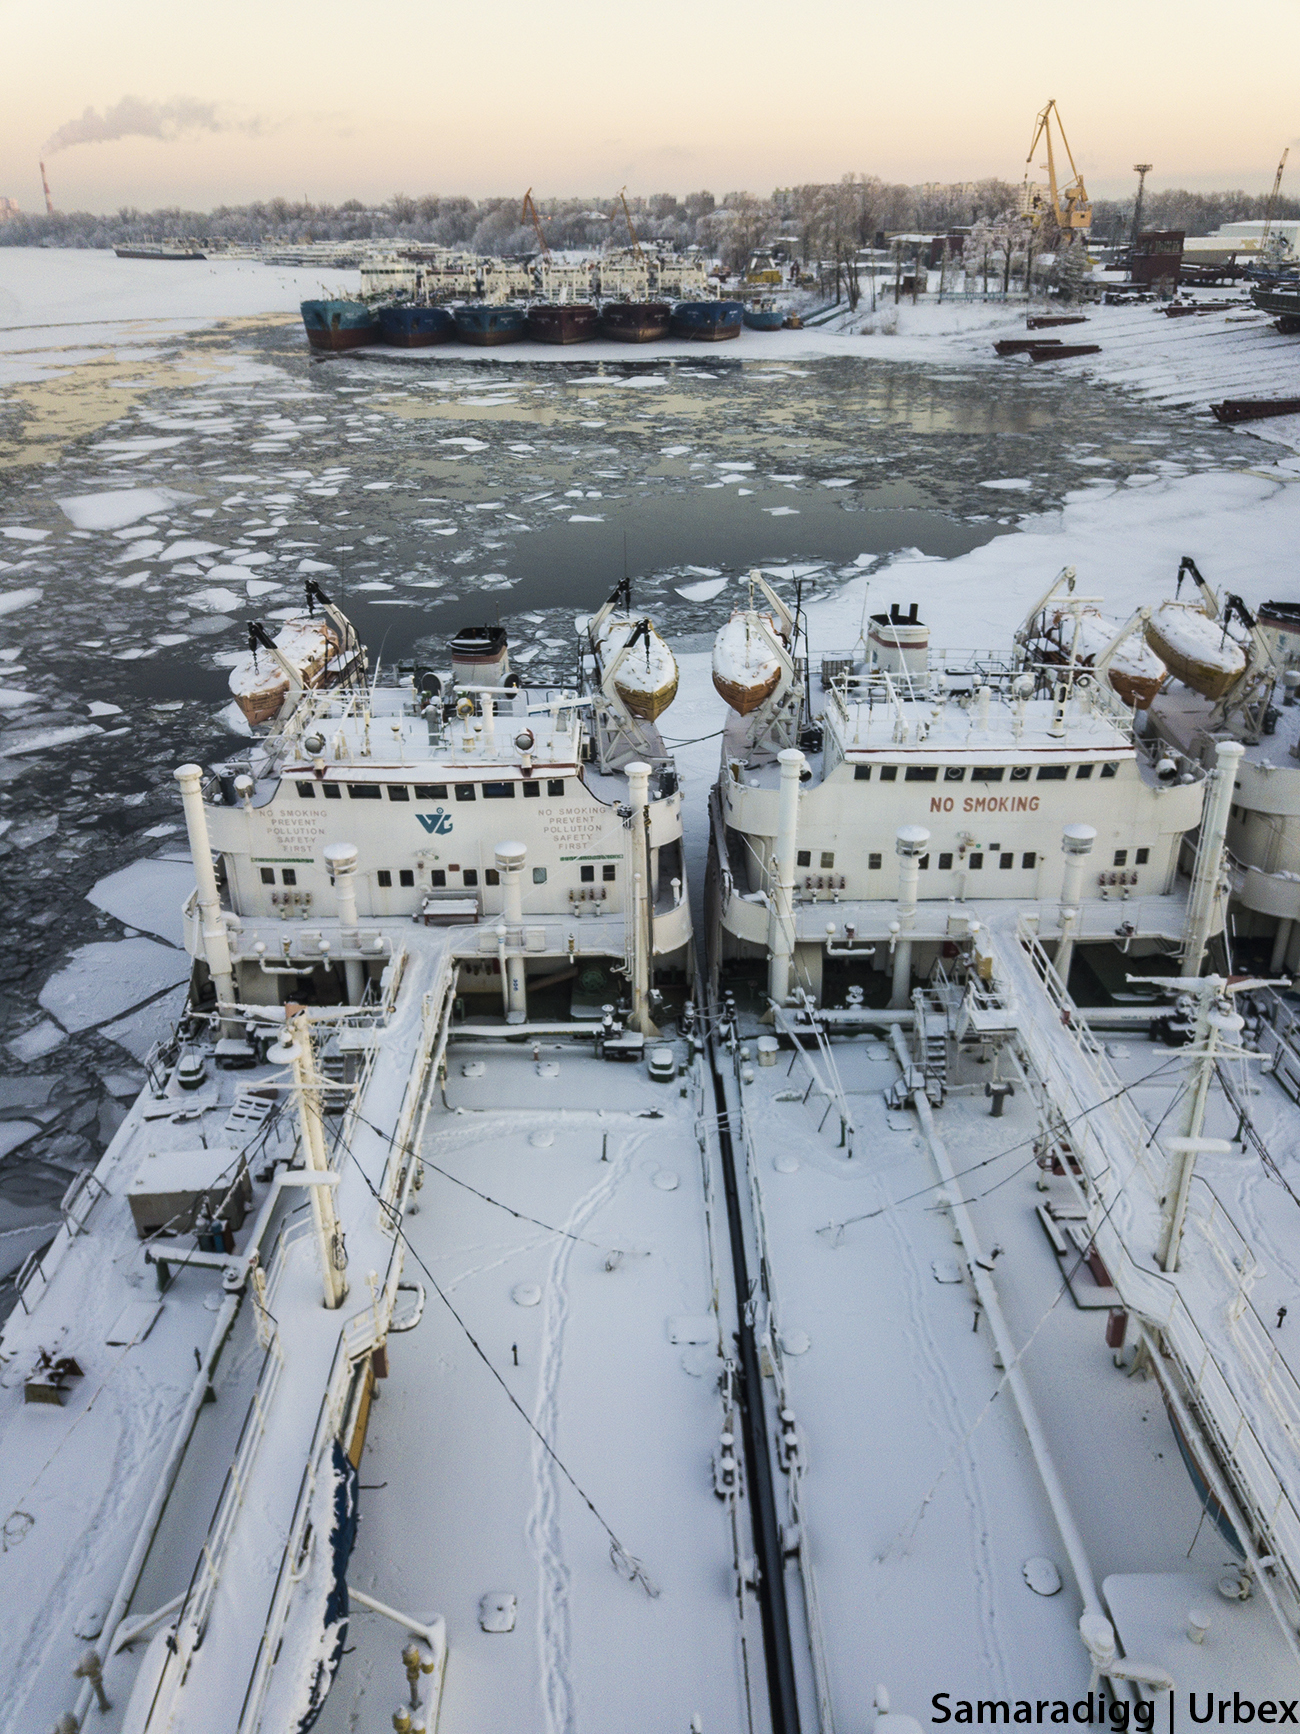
{"points": [[133, 117]]}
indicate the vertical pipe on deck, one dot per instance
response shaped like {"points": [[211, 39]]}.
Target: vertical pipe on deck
{"points": [[1208, 874], [510, 859], [341, 863], [780, 922], [216, 942], [910, 844], [1076, 846], [637, 899]]}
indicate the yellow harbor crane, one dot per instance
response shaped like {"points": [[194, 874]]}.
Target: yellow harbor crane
{"points": [[530, 210], [1068, 204]]}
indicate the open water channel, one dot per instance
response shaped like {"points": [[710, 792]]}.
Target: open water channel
{"points": [[423, 493]]}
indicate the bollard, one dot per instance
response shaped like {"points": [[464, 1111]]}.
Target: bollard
{"points": [[91, 1668]]}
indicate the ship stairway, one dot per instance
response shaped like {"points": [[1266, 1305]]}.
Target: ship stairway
{"points": [[935, 1010]]}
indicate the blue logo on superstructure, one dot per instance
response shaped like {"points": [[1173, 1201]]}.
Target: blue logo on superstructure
{"points": [[436, 823]]}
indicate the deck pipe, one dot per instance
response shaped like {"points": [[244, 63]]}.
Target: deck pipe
{"points": [[910, 844], [780, 923], [510, 858], [329, 1238], [1076, 846], [341, 863], [638, 795], [216, 941], [1281, 945], [1208, 873]]}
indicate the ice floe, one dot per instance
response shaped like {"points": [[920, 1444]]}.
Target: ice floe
{"points": [[110, 511], [106, 978]]}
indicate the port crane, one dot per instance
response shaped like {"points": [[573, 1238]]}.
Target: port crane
{"points": [[1068, 204], [1272, 203], [636, 245], [529, 213]]}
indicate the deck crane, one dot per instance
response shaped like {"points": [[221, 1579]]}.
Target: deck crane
{"points": [[636, 245], [528, 213], [1272, 203], [1069, 205]]}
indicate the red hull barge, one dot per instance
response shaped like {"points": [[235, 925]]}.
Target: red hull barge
{"points": [[635, 321], [1060, 351], [567, 322], [1254, 408], [1023, 345]]}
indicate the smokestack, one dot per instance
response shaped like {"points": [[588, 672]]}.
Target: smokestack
{"points": [[49, 202]]}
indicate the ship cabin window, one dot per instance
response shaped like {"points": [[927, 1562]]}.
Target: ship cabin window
{"points": [[608, 871], [873, 863], [923, 864], [945, 862], [268, 875], [987, 774], [1082, 771], [431, 791], [1142, 857], [406, 876], [364, 791], [862, 773], [1029, 860], [464, 791], [498, 791], [555, 785], [332, 792], [975, 862], [307, 791], [1006, 860], [384, 877], [921, 774], [1020, 773], [954, 773], [398, 792], [587, 874], [1053, 773], [1109, 770], [1121, 858], [803, 858], [437, 878], [539, 875], [827, 859], [889, 773], [471, 876], [288, 876], [491, 877], [532, 791]]}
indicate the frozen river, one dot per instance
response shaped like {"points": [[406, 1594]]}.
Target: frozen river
{"points": [[424, 491]]}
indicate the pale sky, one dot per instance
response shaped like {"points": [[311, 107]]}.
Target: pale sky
{"points": [[336, 99]]}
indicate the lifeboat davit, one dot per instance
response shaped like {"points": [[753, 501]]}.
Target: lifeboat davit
{"points": [[1199, 651], [646, 678], [746, 669], [1136, 672], [311, 644]]}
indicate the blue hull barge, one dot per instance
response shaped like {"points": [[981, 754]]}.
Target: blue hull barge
{"points": [[479, 323], [764, 318], [407, 327], [708, 321], [334, 325]]}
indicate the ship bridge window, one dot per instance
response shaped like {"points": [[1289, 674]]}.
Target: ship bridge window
{"points": [[975, 861], [1109, 770], [1053, 773], [873, 862], [307, 791], [333, 792], [491, 876], [862, 773], [1142, 857], [384, 877], [587, 874], [889, 773], [532, 791], [289, 876], [923, 864], [437, 878], [1020, 773], [431, 791], [1029, 859], [945, 862], [1006, 860], [608, 871], [1083, 771], [406, 876], [921, 774], [555, 785], [498, 791], [364, 791], [398, 792], [803, 858], [471, 876], [465, 792], [827, 859], [987, 774], [539, 875], [268, 875], [1121, 858], [954, 773]]}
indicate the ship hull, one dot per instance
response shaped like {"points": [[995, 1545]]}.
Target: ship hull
{"points": [[708, 321], [415, 327], [570, 322], [484, 326], [635, 321], [157, 253], [764, 319], [336, 325]]}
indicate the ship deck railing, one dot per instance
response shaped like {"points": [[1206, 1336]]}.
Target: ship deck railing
{"points": [[952, 674], [1242, 1391]]}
